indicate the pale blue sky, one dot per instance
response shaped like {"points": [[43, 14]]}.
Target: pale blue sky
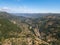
{"points": [[30, 6]]}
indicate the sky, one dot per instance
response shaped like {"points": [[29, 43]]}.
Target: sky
{"points": [[30, 6]]}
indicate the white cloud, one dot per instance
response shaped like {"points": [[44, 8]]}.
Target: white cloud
{"points": [[25, 9], [21, 9], [4, 9]]}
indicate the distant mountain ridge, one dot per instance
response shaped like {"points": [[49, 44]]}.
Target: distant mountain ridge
{"points": [[34, 15]]}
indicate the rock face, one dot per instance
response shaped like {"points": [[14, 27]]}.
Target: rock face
{"points": [[19, 41], [7, 42], [36, 30]]}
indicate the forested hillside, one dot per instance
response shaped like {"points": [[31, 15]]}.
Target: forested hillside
{"points": [[19, 30]]}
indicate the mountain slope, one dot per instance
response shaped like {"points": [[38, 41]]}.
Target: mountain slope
{"points": [[19, 30]]}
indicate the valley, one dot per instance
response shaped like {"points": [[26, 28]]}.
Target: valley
{"points": [[37, 29]]}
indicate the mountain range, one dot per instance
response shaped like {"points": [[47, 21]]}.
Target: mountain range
{"points": [[29, 29]]}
